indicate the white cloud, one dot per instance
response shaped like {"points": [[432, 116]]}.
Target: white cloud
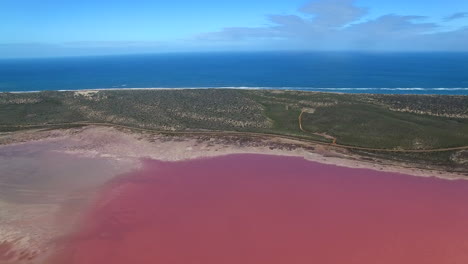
{"points": [[393, 26], [456, 16], [340, 24], [333, 13]]}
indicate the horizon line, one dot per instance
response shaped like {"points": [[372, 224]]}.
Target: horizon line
{"points": [[234, 52]]}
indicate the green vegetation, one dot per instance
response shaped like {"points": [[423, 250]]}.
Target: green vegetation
{"points": [[376, 127], [285, 121], [373, 121]]}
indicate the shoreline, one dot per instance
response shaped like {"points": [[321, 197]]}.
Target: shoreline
{"points": [[133, 146], [296, 89]]}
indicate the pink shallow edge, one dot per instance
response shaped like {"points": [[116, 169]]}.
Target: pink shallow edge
{"points": [[248, 208]]}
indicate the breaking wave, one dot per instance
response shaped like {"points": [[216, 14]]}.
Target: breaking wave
{"points": [[384, 90]]}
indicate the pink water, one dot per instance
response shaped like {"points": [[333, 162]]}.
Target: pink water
{"points": [[253, 209]]}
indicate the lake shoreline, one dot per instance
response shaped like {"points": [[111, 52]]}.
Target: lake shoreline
{"points": [[135, 145]]}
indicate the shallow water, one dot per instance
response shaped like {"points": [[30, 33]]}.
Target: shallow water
{"points": [[267, 209]]}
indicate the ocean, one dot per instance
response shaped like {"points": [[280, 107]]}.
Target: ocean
{"points": [[350, 72]]}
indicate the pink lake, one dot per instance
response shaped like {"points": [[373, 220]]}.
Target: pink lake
{"points": [[256, 209]]}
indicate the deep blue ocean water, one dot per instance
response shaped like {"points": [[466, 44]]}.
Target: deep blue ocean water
{"points": [[402, 73]]}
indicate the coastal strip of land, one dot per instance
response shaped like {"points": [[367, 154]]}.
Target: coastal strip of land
{"points": [[421, 129], [234, 133]]}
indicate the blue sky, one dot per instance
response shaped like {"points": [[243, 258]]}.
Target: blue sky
{"points": [[32, 28]]}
